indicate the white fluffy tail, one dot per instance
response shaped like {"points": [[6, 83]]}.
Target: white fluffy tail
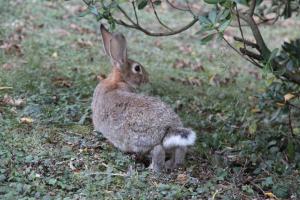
{"points": [[179, 138]]}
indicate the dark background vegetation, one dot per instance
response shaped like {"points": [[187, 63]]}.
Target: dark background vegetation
{"points": [[246, 117]]}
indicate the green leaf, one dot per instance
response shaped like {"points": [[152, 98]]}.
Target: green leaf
{"points": [[142, 4], [212, 1], [204, 20], [291, 150], [212, 15], [207, 38], [93, 9], [52, 181], [84, 13], [224, 25]]}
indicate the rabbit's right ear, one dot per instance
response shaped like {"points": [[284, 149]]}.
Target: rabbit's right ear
{"points": [[106, 38]]}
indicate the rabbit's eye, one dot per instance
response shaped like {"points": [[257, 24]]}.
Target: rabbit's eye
{"points": [[137, 68]]}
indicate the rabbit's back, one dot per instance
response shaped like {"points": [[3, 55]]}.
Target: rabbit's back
{"points": [[132, 122]]}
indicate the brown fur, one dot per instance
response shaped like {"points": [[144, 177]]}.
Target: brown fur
{"points": [[133, 122]]}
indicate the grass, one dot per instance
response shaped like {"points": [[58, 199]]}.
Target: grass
{"points": [[51, 68]]}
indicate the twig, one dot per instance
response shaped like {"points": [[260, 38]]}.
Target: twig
{"points": [[175, 7], [247, 42], [189, 8], [106, 173], [156, 15], [135, 13], [156, 34], [240, 27], [252, 8], [126, 15], [248, 18], [251, 54], [242, 55], [292, 105]]}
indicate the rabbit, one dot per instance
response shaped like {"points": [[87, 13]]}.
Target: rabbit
{"points": [[133, 122]]}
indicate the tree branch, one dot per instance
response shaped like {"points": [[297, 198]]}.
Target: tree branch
{"points": [[251, 54], [156, 15], [135, 14], [156, 34], [248, 18], [252, 8], [247, 42]]}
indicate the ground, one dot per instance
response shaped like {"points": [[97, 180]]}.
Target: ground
{"points": [[50, 59]]}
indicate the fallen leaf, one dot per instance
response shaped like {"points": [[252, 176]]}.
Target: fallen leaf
{"points": [[182, 178], [186, 49], [180, 64], [270, 195], [84, 44], [61, 32], [197, 67], [8, 100], [81, 30], [7, 66], [26, 120], [55, 55], [194, 81], [255, 110], [158, 44], [11, 48], [61, 82], [288, 97], [5, 88]]}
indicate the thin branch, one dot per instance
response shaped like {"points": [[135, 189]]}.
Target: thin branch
{"points": [[158, 19], [126, 15], [252, 8], [189, 8], [135, 13], [255, 31], [247, 42], [251, 54], [156, 34], [292, 105], [242, 55], [175, 7], [240, 27]]}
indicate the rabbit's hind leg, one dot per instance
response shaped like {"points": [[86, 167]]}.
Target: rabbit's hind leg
{"points": [[177, 158], [158, 158]]}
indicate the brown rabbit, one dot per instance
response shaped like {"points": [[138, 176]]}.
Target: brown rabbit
{"points": [[133, 122]]}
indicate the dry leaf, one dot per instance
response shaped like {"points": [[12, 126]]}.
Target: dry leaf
{"points": [[5, 88], [255, 110], [270, 195], [61, 82], [55, 55], [81, 30], [84, 44], [186, 49], [180, 64], [7, 66], [26, 120], [182, 178], [11, 48], [288, 97], [8, 100]]}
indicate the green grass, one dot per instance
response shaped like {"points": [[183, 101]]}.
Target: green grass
{"points": [[57, 156]]}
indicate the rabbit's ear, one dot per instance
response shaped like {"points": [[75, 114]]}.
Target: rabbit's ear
{"points": [[106, 37], [118, 50]]}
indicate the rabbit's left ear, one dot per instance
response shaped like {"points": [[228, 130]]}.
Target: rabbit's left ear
{"points": [[118, 50], [106, 37]]}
